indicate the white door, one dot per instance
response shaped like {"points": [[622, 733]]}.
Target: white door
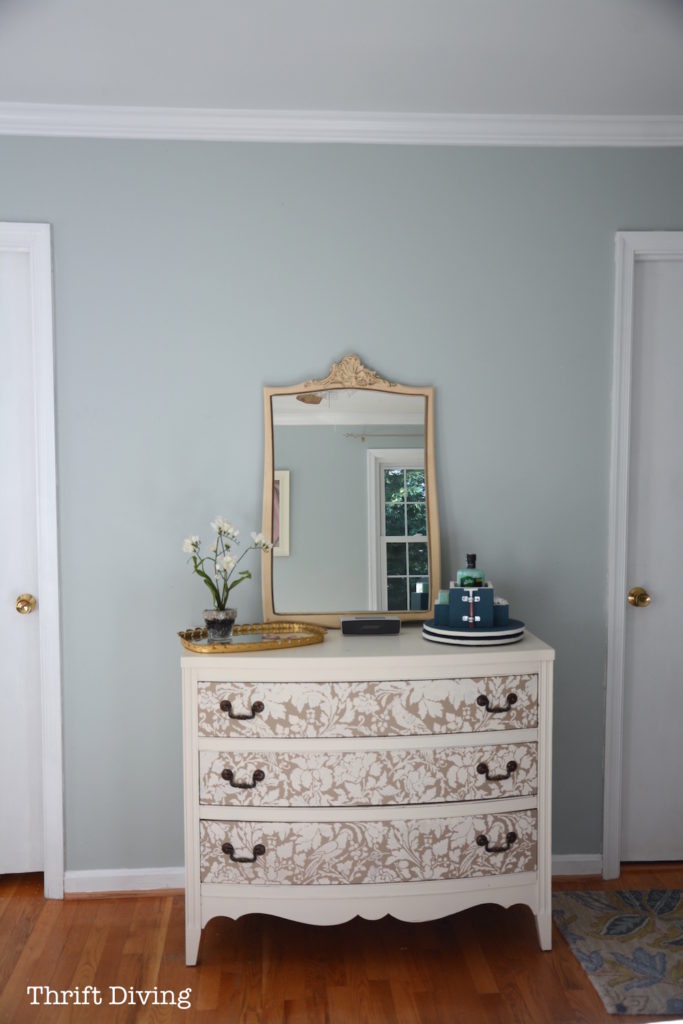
{"points": [[21, 809], [31, 830], [652, 755]]}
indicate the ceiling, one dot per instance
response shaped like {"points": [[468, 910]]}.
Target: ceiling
{"points": [[502, 57]]}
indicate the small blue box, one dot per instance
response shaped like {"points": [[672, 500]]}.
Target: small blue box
{"points": [[442, 616], [474, 603], [419, 601], [501, 613]]}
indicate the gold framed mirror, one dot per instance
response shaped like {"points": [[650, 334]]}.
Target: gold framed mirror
{"points": [[349, 499]]}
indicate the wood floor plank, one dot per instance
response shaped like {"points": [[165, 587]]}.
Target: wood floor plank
{"points": [[453, 988], [6, 895], [403, 995], [249, 954], [381, 1006], [23, 907], [357, 990], [30, 963]]}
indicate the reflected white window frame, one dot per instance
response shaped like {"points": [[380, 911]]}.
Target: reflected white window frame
{"points": [[378, 460]]}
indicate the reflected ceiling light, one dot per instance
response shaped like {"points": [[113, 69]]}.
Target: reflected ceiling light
{"points": [[309, 398]]}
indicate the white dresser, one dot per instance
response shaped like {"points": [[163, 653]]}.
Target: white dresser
{"points": [[367, 776]]}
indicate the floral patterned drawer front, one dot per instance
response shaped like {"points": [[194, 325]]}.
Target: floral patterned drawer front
{"points": [[395, 708], [329, 853], [367, 777]]}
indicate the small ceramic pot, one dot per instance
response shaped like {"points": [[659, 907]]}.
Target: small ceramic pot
{"points": [[219, 623]]}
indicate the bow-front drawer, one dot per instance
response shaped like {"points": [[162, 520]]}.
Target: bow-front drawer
{"points": [[381, 708], [348, 853], [367, 777]]}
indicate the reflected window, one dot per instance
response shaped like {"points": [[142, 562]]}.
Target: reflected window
{"points": [[397, 512]]}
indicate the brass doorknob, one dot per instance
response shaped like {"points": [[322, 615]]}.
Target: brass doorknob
{"points": [[639, 597], [25, 604]]}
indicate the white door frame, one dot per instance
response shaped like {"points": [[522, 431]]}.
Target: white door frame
{"points": [[35, 240], [630, 247]]}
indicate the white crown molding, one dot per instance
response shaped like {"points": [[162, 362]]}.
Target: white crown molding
{"points": [[187, 123]]}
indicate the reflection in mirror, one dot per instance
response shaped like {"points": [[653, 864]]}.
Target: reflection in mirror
{"points": [[357, 503], [350, 501]]}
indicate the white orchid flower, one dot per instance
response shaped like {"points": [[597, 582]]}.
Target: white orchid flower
{"points": [[260, 541], [224, 527], [225, 562]]}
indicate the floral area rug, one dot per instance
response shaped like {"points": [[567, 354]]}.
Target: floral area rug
{"points": [[630, 944]]}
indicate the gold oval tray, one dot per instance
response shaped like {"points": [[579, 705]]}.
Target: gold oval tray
{"points": [[254, 636]]}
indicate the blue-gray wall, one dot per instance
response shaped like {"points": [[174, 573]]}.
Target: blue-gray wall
{"points": [[188, 275]]}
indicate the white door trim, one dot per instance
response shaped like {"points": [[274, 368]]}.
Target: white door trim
{"points": [[35, 240], [630, 246]]}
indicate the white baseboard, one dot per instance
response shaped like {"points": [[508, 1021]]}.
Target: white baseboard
{"points": [[141, 879], [124, 880], [577, 864]]}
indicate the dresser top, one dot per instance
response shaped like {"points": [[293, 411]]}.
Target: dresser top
{"points": [[375, 656]]}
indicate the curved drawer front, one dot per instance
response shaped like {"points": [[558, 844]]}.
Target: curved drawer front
{"points": [[396, 708], [367, 777], [332, 853]]}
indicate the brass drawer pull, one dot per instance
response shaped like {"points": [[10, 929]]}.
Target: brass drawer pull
{"points": [[258, 776], [229, 850], [510, 767], [256, 708], [483, 702], [511, 837]]}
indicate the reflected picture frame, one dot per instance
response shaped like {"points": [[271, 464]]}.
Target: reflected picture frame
{"points": [[281, 513]]}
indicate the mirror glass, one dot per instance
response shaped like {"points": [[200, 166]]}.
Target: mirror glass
{"points": [[350, 495]]}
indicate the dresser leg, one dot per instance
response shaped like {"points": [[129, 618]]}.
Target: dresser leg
{"points": [[544, 927], [192, 937]]}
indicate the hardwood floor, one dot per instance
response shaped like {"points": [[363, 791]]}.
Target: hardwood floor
{"points": [[479, 967]]}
